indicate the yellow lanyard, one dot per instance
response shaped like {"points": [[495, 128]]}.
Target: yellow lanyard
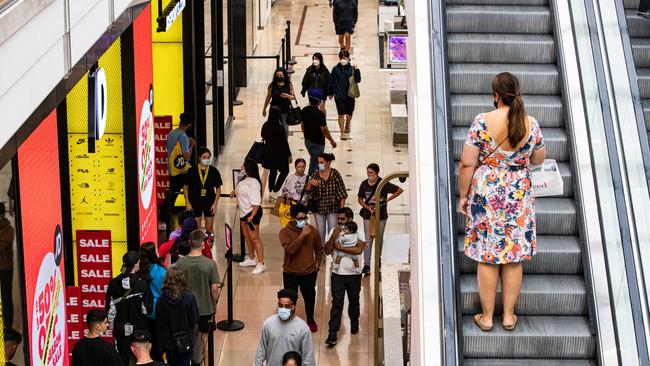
{"points": [[203, 179]]}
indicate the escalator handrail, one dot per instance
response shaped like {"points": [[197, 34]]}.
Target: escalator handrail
{"points": [[443, 186]]}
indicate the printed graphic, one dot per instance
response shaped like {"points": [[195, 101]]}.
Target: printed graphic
{"points": [[146, 155], [162, 127]]}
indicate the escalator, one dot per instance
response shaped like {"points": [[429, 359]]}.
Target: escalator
{"points": [[639, 32], [485, 37]]}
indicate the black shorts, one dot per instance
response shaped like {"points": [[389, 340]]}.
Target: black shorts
{"points": [[202, 208], [342, 30], [344, 106], [256, 219], [206, 323]]}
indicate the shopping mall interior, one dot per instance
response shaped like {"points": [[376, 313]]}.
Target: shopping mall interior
{"points": [[508, 143]]}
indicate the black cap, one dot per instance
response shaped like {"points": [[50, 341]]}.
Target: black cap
{"points": [[129, 260]]}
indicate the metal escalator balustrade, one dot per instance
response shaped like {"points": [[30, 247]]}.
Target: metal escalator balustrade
{"points": [[639, 32], [485, 37]]}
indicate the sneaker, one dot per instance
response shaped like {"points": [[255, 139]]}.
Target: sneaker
{"points": [[644, 14], [331, 340], [312, 325], [248, 262], [273, 196], [259, 268], [366, 269]]}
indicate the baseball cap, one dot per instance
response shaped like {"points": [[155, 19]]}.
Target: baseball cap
{"points": [[316, 93], [129, 260]]}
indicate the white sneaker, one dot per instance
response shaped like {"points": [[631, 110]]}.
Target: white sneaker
{"points": [[273, 196], [248, 262], [259, 268]]}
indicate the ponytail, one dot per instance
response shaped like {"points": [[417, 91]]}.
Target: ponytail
{"points": [[516, 121]]}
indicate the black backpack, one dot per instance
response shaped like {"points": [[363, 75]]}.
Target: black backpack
{"points": [[128, 311]]}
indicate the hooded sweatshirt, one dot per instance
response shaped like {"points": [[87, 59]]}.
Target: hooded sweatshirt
{"points": [[302, 255], [175, 314]]}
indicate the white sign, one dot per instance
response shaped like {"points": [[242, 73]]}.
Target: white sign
{"points": [[171, 16], [101, 102]]}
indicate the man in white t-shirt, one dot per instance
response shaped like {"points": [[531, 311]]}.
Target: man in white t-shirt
{"points": [[346, 278]]}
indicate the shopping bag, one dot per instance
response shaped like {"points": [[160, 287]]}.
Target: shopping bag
{"points": [[256, 152], [293, 118], [353, 90], [179, 165], [284, 211], [546, 179], [275, 211]]}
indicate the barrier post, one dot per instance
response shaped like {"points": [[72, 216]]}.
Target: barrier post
{"points": [[229, 324], [283, 53], [290, 61]]}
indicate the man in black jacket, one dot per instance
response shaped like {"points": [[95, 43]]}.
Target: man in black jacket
{"points": [[339, 87], [128, 302]]}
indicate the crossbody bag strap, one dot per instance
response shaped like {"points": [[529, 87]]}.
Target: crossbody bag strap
{"points": [[374, 189], [493, 151]]}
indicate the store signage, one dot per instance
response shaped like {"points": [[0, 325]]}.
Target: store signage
{"points": [[169, 15], [75, 316], [162, 126], [97, 107]]}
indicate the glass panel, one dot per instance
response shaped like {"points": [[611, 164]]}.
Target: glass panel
{"points": [[604, 187]]}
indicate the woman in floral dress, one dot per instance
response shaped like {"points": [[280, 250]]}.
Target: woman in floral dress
{"points": [[497, 198]]}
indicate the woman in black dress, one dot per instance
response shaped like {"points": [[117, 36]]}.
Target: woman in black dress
{"points": [[280, 94], [277, 154]]}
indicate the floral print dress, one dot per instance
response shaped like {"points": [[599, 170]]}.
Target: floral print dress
{"points": [[501, 227]]}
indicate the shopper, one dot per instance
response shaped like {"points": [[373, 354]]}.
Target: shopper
{"points": [[339, 87], [141, 348], [496, 192], [249, 200], [294, 185], [128, 302], [203, 282], [284, 332], [202, 190], [314, 128], [177, 317], [303, 253], [277, 154], [291, 358], [280, 94], [152, 270], [346, 279], [179, 151], [317, 76], [7, 235], [644, 9], [173, 249], [12, 340], [328, 192], [345, 14], [366, 198], [92, 350]]}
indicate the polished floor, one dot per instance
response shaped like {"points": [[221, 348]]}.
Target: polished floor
{"points": [[371, 141]]}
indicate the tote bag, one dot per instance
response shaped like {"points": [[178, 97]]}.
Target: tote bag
{"points": [[179, 165], [546, 179], [293, 118], [353, 90], [256, 152]]}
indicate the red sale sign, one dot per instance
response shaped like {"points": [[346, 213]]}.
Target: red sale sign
{"points": [[74, 316], [162, 125]]}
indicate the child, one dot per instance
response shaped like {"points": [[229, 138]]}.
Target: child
{"points": [[348, 239]]}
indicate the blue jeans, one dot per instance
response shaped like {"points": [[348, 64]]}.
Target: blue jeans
{"points": [[314, 150], [325, 223]]}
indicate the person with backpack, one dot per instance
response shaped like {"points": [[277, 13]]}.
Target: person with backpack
{"points": [[177, 316], [179, 150], [128, 302], [152, 270]]}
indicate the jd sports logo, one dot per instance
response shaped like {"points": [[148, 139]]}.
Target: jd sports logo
{"points": [[179, 162]]}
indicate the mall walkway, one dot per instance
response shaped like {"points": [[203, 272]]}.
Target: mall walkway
{"points": [[371, 141]]}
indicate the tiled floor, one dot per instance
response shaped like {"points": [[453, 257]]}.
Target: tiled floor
{"points": [[371, 141]]}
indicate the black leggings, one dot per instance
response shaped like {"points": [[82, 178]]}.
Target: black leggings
{"points": [[276, 185]]}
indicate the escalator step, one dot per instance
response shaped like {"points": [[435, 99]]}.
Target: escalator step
{"points": [[502, 362], [557, 144], [477, 78], [643, 78], [498, 19], [560, 255], [547, 109], [500, 48], [565, 171], [641, 51], [631, 4], [636, 25], [540, 295], [646, 112], [499, 2], [534, 337], [555, 216]]}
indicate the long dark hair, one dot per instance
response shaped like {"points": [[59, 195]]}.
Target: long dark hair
{"points": [[507, 86], [252, 170], [319, 56], [284, 74], [148, 258], [275, 115]]}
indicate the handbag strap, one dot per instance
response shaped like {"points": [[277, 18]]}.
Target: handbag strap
{"points": [[493, 150], [374, 189]]}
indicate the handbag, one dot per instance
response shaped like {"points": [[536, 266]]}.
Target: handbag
{"points": [[256, 152], [182, 341], [293, 118], [284, 211], [365, 214], [353, 89], [546, 179]]}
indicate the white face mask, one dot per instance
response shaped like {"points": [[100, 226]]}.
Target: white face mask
{"points": [[321, 167], [284, 314], [205, 162], [344, 62], [316, 63]]}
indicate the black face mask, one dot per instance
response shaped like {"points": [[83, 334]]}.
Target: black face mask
{"points": [[279, 79]]}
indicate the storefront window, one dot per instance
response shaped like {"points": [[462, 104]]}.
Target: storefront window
{"points": [[11, 282]]}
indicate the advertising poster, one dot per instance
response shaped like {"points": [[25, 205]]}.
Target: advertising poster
{"points": [[162, 125], [74, 316], [38, 162], [145, 126]]}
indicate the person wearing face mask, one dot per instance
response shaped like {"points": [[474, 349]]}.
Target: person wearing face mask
{"points": [[303, 253], [338, 89], [366, 198], [314, 127], [328, 193], [202, 190], [277, 154], [128, 302], [280, 94], [92, 350], [345, 15], [316, 76], [284, 332]]}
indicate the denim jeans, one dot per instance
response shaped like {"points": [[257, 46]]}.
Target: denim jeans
{"points": [[325, 223], [381, 226], [314, 150]]}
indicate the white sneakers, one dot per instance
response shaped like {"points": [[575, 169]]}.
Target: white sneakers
{"points": [[273, 196], [248, 262], [259, 268]]}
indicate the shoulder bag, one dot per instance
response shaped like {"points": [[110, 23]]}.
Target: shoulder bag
{"points": [[256, 151], [293, 118], [353, 89]]}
